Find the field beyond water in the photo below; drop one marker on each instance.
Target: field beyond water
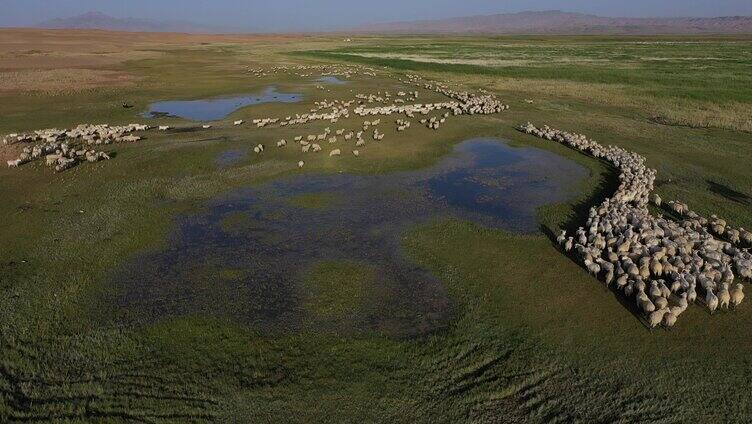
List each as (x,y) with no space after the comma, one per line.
(497,325)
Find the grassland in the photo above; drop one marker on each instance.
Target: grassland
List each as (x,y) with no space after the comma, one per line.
(533,337)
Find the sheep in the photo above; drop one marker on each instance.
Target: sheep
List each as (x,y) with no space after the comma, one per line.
(711,300)
(669,319)
(645,304)
(660,302)
(281,143)
(737,294)
(14,163)
(206,127)
(562,237)
(164,127)
(569,244)
(356,153)
(335,152)
(656,317)
(238,122)
(724,297)
(301,164)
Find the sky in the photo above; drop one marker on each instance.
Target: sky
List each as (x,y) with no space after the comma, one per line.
(307,15)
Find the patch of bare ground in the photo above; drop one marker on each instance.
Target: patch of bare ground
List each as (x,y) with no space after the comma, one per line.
(60,81)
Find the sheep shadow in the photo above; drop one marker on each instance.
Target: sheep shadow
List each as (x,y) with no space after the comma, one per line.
(729,193)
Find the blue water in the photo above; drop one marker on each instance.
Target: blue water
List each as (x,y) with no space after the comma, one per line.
(331,79)
(274,241)
(219,107)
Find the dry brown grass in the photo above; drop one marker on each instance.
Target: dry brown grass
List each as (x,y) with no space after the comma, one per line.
(60,81)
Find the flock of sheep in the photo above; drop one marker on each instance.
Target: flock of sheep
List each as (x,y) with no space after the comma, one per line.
(661,264)
(64,149)
(401,103)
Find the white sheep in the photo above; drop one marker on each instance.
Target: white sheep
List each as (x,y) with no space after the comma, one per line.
(669,319)
(737,294)
(656,317)
(724,298)
(711,300)
(238,122)
(300,164)
(335,152)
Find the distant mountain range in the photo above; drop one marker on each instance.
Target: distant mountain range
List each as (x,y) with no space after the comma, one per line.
(97,20)
(557,22)
(550,22)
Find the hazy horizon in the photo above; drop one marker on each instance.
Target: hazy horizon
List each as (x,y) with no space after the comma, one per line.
(301,15)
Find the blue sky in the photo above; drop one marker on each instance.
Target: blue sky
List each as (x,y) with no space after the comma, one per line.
(291,15)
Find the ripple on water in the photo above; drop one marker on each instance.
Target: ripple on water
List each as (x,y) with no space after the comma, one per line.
(249,254)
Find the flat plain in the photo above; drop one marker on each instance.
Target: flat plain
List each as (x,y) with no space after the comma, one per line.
(503,326)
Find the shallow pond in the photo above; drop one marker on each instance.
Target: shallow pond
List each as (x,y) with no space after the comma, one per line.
(248,254)
(331,79)
(218,107)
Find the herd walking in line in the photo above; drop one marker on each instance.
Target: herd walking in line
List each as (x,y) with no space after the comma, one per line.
(661,264)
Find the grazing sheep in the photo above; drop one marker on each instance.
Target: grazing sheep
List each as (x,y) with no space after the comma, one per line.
(356,153)
(281,143)
(206,127)
(164,127)
(238,122)
(335,152)
(300,164)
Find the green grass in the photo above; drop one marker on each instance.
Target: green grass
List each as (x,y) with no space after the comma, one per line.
(314,200)
(532,338)
(336,290)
